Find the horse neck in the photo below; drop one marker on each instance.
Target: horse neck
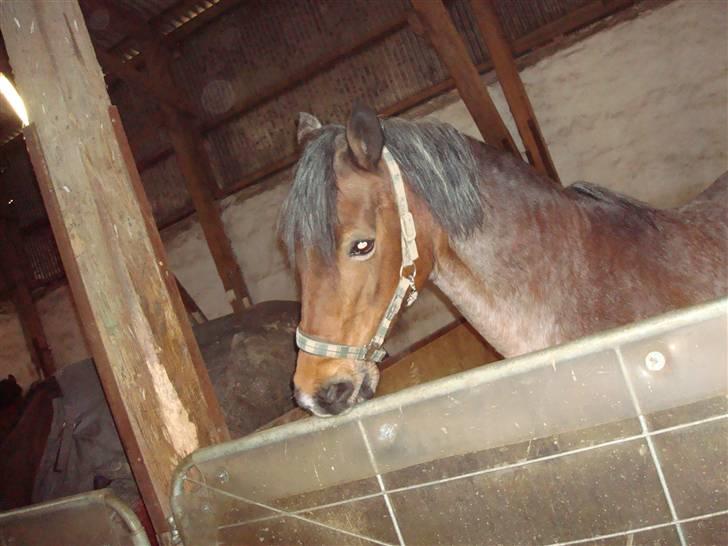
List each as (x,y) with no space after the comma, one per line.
(506,277)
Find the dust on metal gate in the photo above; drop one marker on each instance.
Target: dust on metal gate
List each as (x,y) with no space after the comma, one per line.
(577,421)
(91,519)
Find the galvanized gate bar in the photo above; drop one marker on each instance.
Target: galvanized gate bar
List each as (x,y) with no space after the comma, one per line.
(288,476)
(33,524)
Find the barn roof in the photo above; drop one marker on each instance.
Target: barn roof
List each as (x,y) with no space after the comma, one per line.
(246,67)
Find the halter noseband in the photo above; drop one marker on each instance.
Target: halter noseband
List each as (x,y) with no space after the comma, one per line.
(373,351)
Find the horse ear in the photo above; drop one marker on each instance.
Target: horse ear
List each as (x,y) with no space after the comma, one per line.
(364,136)
(307,126)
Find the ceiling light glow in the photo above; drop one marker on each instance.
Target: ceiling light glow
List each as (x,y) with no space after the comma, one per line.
(11,95)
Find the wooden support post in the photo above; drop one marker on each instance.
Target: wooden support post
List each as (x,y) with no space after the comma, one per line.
(513,88)
(147,357)
(192,158)
(439,28)
(197,172)
(196,169)
(190,304)
(16,272)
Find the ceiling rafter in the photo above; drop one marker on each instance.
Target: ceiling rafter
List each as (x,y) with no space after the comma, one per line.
(176,23)
(140,30)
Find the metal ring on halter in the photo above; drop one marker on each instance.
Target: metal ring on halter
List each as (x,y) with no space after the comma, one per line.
(412,275)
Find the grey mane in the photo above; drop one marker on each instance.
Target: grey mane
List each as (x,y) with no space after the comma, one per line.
(436,160)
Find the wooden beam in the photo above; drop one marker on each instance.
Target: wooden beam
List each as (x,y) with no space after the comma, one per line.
(572,21)
(163,94)
(190,304)
(16,272)
(196,169)
(450,47)
(513,88)
(171,37)
(148,361)
(191,156)
(138,29)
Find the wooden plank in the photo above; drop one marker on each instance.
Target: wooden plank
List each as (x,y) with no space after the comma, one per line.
(513,88)
(148,361)
(450,47)
(460,348)
(451,350)
(574,20)
(16,271)
(169,38)
(165,95)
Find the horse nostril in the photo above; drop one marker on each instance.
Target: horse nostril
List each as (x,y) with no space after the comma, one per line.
(334,398)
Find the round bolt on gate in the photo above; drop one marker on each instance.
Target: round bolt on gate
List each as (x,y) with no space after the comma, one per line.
(223,476)
(655,361)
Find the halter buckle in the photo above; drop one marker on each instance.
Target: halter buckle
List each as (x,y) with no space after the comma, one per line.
(412,296)
(371,349)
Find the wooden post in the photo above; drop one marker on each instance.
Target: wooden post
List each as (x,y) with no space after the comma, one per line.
(16,272)
(513,88)
(437,24)
(147,358)
(196,170)
(193,310)
(192,158)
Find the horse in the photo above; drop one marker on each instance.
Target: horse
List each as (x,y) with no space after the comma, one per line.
(377,208)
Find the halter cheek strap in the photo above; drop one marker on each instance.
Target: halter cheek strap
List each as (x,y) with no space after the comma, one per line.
(405,291)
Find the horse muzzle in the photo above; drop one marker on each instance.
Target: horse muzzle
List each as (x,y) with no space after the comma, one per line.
(338,395)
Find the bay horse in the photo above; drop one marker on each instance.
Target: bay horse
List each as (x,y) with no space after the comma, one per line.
(529,263)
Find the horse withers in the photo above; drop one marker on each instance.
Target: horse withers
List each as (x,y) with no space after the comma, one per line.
(530,264)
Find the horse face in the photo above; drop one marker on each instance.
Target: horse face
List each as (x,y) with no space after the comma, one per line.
(343,302)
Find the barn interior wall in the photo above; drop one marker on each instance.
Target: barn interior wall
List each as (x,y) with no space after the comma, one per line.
(639,107)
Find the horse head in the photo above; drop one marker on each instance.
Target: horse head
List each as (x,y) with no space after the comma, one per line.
(343,228)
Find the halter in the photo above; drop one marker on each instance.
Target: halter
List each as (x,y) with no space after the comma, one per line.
(373,351)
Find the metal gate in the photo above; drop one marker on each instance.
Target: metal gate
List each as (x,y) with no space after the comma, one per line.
(91,519)
(621,434)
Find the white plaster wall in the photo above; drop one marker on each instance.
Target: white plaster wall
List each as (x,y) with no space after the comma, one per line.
(251,225)
(641,108)
(190,260)
(62,329)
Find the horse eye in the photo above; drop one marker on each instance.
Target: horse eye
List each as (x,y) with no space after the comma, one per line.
(361,248)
